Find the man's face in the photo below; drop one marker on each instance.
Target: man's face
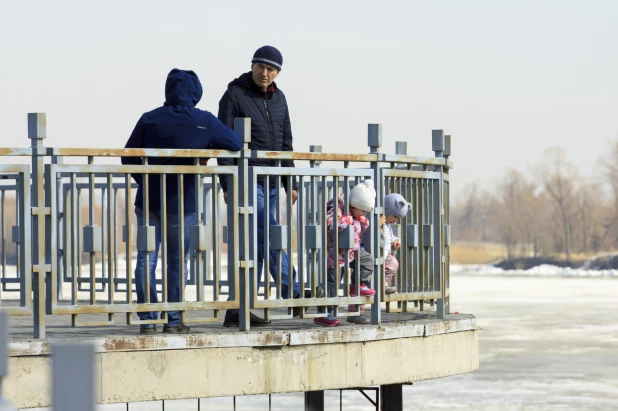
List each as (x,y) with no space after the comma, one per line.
(263,75)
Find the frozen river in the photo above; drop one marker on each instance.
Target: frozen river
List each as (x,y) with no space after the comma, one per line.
(546,343)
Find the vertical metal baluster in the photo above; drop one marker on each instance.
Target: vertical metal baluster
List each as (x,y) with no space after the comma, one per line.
(336,239)
(66,234)
(60,218)
(300,241)
(164,246)
(346,210)
(181,240)
(24,255)
(381,273)
(278,218)
(78,232)
(289,221)
(146,222)
(199,257)
(206,220)
(323,257)
(104,194)
(128,256)
(91,219)
(427,217)
(405,252)
(18,249)
(266,250)
(216,236)
(3,205)
(74,241)
(115,227)
(111,240)
(414,258)
(313,220)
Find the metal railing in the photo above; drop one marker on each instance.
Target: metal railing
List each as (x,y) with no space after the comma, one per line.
(74,238)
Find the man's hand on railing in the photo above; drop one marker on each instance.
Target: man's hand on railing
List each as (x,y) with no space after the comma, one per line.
(382,220)
(294,196)
(396,244)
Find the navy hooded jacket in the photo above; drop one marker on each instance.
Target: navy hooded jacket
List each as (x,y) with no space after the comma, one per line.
(177,124)
(271,129)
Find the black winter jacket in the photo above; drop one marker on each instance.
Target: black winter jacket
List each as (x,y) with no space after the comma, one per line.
(271,129)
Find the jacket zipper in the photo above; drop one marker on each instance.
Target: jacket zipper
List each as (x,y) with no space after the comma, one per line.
(270,122)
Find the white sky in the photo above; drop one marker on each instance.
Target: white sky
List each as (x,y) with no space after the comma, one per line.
(506,79)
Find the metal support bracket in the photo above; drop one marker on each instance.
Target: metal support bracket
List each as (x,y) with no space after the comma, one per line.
(245,210)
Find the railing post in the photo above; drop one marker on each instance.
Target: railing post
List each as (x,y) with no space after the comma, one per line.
(242,127)
(437,142)
(60,216)
(374,141)
(73,377)
(40,211)
(447,223)
(4,358)
(401,148)
(313,194)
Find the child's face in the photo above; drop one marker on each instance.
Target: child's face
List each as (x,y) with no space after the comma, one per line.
(356,212)
(392,219)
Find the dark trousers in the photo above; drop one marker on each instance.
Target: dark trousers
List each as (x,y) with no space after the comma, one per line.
(366,270)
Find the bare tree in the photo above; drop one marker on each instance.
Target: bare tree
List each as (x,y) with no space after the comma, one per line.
(517,213)
(466,210)
(557,176)
(609,164)
(470,213)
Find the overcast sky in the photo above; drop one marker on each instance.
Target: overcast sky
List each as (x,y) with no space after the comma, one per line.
(506,79)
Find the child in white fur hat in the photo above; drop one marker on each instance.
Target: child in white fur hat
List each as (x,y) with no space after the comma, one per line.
(362,200)
(395,207)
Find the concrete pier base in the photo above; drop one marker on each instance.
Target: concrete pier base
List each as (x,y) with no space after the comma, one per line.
(219,362)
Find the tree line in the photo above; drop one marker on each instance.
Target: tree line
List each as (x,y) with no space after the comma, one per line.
(550,208)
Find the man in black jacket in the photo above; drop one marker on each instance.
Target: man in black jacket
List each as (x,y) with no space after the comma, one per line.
(255,95)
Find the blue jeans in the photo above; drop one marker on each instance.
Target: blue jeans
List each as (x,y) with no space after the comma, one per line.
(273,267)
(173,263)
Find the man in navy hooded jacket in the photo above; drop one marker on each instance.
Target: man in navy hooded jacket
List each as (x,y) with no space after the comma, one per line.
(177,125)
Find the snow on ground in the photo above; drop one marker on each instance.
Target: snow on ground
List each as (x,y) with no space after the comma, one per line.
(538,271)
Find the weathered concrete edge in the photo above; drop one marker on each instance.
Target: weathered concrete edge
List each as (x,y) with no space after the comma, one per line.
(422,328)
(178,374)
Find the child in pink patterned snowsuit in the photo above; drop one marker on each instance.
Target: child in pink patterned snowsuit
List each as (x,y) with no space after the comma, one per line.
(362,200)
(395,207)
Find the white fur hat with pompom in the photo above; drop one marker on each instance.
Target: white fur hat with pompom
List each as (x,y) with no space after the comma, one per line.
(363,196)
